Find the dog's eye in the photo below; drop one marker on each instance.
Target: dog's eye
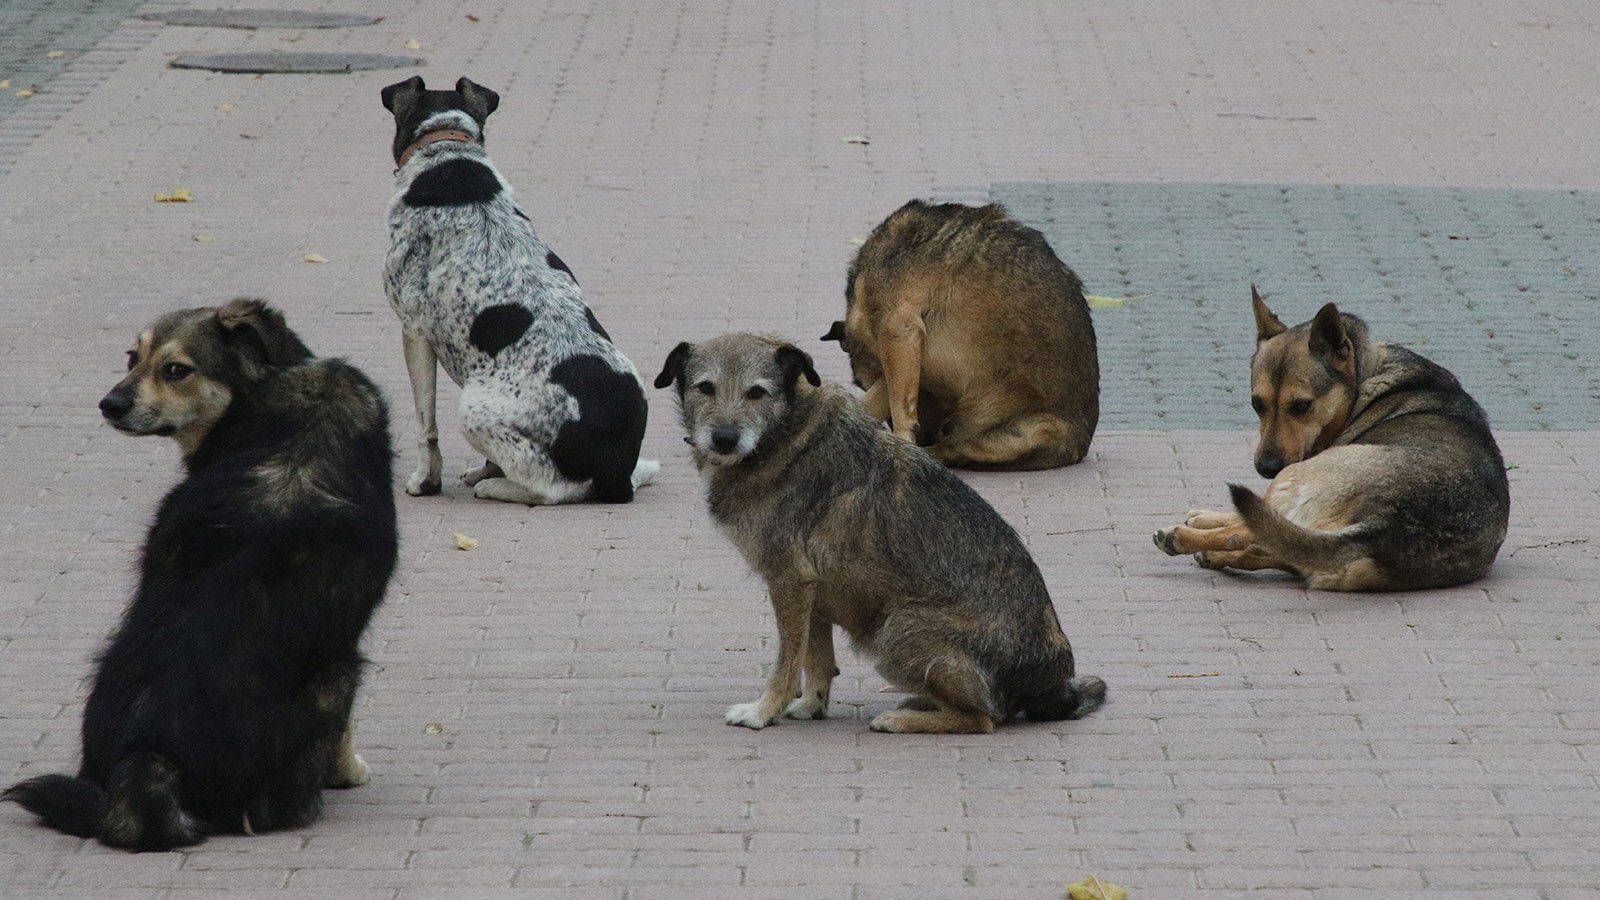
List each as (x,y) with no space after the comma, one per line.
(133,359)
(1299,407)
(707,388)
(175,371)
(1259,405)
(755,393)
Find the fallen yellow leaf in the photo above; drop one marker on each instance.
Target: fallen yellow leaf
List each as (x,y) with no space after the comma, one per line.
(413,44)
(178,195)
(464,542)
(432,728)
(203,238)
(5,85)
(55,54)
(1092,888)
(858,240)
(856,139)
(24,93)
(315,258)
(225,106)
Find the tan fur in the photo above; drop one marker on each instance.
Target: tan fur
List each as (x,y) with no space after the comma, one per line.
(971,338)
(1384,474)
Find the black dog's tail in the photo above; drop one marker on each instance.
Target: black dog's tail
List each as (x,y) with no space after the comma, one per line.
(139,811)
(1079,697)
(74,806)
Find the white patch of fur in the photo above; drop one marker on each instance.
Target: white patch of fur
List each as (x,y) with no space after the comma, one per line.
(747,715)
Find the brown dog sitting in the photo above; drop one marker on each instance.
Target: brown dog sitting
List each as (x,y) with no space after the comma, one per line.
(1384,473)
(972,338)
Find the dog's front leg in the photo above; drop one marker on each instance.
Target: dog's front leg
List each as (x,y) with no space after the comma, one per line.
(424,370)
(820,670)
(900,347)
(792,603)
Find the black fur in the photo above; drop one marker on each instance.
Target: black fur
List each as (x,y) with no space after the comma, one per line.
(412,103)
(554,262)
(498,327)
(594,324)
(223,695)
(454,182)
(603,443)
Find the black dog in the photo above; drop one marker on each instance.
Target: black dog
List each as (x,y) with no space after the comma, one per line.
(222,703)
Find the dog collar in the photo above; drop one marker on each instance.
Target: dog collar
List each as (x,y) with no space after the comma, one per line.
(432,137)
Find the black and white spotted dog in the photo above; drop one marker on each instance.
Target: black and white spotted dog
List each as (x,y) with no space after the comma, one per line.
(556,409)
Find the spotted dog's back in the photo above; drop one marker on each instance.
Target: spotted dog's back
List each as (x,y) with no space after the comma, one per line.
(546,396)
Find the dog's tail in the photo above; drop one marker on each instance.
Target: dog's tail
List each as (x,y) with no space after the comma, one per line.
(1304,548)
(1079,697)
(139,810)
(74,806)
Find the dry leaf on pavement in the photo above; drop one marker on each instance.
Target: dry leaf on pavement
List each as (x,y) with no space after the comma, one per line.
(463,542)
(176,195)
(1092,888)
(315,258)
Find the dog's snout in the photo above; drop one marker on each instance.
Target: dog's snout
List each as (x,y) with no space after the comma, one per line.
(724,439)
(116,404)
(1269,465)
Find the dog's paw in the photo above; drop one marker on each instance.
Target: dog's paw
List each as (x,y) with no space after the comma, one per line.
(809,706)
(351,772)
(472,476)
(749,715)
(644,472)
(1210,559)
(420,484)
(506,491)
(889,722)
(1167,540)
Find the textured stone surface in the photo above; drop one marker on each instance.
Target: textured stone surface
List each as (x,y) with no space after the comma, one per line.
(686,160)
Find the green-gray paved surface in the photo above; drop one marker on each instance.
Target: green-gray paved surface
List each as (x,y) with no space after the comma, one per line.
(1500,286)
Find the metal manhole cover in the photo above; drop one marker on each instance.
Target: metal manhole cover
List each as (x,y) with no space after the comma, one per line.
(260,18)
(276,61)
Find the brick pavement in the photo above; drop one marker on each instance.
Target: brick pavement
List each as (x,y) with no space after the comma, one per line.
(686,159)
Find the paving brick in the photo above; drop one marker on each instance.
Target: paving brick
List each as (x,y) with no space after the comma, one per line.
(686,160)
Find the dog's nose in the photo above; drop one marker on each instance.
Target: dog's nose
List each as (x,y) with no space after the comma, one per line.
(723,440)
(116,404)
(1269,466)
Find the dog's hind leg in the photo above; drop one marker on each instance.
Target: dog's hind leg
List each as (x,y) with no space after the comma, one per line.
(472,476)
(942,676)
(423,367)
(1249,559)
(900,338)
(820,670)
(1034,441)
(530,476)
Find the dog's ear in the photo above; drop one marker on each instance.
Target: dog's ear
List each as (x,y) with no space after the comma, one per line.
(673,369)
(480,100)
(260,335)
(401,95)
(1328,338)
(1268,325)
(794,362)
(835,333)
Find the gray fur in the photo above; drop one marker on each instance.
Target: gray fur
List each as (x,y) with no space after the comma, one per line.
(851,526)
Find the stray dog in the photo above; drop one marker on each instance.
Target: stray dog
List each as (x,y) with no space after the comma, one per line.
(1384,474)
(222,703)
(851,526)
(556,409)
(972,338)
